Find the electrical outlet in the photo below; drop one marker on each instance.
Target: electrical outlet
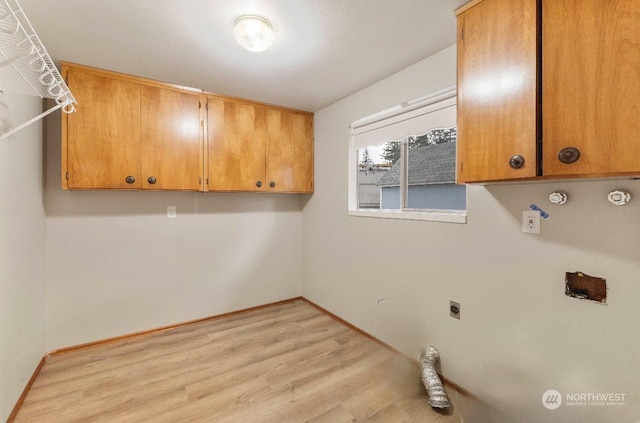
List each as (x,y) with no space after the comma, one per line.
(171,212)
(531,221)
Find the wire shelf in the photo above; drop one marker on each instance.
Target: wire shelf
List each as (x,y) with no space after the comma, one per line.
(25,66)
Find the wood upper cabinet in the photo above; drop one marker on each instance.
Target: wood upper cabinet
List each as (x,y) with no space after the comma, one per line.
(134,133)
(497,94)
(236,139)
(289,152)
(573,104)
(256,147)
(130,134)
(101,143)
(172,139)
(591,81)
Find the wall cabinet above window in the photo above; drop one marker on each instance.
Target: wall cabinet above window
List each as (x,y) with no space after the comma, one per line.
(134,133)
(548,90)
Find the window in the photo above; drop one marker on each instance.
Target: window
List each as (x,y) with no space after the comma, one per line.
(402,162)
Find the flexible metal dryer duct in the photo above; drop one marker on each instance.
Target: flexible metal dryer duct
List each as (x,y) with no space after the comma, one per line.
(437,395)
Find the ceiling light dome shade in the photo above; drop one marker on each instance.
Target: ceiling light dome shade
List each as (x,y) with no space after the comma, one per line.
(253,33)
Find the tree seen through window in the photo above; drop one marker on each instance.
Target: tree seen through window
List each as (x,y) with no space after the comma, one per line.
(391,150)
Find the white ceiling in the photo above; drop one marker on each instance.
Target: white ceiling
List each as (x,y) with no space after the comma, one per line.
(324,49)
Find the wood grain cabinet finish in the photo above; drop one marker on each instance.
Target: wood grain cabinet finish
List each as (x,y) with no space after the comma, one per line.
(135,133)
(497,94)
(130,134)
(101,143)
(554,81)
(591,86)
(289,151)
(236,145)
(172,139)
(257,147)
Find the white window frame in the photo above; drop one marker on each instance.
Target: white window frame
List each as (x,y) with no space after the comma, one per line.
(445,97)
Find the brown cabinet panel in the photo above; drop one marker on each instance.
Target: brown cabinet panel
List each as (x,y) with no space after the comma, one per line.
(591,81)
(497,90)
(134,133)
(171,139)
(588,123)
(254,147)
(103,135)
(237,135)
(289,151)
(127,130)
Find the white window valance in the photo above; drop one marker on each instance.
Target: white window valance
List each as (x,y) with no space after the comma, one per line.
(412,118)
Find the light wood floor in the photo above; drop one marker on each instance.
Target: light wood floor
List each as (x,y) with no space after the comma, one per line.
(284,363)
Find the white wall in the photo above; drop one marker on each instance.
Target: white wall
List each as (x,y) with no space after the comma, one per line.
(22,251)
(519,335)
(117,265)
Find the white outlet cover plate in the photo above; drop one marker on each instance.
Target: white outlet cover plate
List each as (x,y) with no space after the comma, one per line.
(531,221)
(171,212)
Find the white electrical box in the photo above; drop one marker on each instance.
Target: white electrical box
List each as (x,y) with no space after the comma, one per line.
(171,212)
(531,221)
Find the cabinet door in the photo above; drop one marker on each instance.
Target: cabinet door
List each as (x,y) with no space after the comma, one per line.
(590,86)
(497,90)
(103,136)
(236,151)
(289,155)
(172,144)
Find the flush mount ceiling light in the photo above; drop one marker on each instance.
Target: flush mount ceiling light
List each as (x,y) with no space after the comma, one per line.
(253,33)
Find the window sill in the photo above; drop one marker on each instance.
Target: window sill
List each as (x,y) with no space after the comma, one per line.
(429,216)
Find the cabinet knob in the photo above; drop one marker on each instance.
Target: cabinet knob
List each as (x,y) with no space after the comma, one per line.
(516,162)
(152,180)
(569,155)
(130,179)
(272,184)
(259,184)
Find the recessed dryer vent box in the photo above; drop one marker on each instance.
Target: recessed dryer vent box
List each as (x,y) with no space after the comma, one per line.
(585,287)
